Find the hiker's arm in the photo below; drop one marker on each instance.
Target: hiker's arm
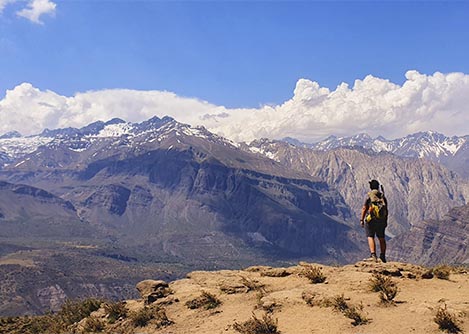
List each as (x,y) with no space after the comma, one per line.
(364,210)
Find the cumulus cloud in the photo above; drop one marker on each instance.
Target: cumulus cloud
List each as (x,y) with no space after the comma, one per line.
(377,106)
(36,9)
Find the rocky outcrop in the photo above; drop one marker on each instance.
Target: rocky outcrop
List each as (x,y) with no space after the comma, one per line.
(349,300)
(151,290)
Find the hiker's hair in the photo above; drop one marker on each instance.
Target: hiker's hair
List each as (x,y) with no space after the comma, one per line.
(374,184)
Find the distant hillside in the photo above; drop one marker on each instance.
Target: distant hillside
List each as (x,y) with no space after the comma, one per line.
(436,241)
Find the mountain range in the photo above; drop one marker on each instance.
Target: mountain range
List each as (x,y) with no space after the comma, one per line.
(452,152)
(161,197)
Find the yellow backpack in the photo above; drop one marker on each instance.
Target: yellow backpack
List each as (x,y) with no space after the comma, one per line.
(377,211)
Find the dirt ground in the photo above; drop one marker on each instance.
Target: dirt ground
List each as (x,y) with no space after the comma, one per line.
(278,293)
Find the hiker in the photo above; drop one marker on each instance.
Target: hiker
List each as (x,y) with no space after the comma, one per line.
(374,218)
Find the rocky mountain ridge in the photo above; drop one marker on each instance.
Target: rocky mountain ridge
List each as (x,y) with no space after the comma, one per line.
(417,189)
(452,152)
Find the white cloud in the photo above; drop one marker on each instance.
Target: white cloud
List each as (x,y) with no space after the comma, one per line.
(4,3)
(437,102)
(37,8)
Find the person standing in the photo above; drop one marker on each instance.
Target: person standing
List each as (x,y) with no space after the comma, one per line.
(374,218)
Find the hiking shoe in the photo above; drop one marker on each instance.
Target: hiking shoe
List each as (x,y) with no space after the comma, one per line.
(373,257)
(382,258)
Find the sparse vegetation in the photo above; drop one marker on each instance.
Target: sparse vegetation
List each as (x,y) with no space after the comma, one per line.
(385,286)
(206,300)
(70,313)
(350,311)
(93,325)
(252,285)
(265,325)
(115,311)
(446,321)
(73,311)
(309,297)
(259,296)
(339,303)
(142,317)
(314,274)
(442,271)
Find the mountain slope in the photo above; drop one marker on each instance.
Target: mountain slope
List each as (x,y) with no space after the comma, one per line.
(164,195)
(416,189)
(191,181)
(432,242)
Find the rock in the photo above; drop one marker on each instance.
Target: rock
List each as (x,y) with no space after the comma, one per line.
(276,272)
(151,290)
(427,275)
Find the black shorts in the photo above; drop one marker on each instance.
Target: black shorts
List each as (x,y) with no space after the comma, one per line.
(375,228)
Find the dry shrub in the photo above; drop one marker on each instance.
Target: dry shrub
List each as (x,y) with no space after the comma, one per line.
(252,285)
(385,286)
(31,325)
(266,325)
(442,271)
(339,303)
(74,311)
(446,321)
(115,311)
(259,296)
(350,311)
(93,325)
(71,312)
(206,300)
(314,274)
(155,314)
(161,318)
(142,317)
(308,297)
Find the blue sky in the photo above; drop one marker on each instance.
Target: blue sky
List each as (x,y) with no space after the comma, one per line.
(239,54)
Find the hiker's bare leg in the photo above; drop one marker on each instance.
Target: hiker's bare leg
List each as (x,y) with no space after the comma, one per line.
(382,245)
(371,244)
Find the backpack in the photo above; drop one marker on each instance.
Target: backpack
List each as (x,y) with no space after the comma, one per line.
(377,210)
